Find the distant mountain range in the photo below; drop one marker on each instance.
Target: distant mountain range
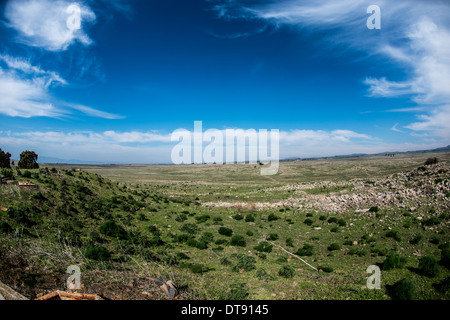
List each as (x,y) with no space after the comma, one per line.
(447,148)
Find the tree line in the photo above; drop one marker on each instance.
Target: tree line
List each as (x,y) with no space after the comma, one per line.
(28,160)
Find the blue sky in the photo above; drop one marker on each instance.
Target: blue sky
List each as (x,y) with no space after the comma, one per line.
(114,90)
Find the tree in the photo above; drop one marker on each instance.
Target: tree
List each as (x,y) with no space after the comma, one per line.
(28,160)
(5,159)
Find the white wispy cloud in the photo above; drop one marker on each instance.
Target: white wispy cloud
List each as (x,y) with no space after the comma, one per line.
(43,23)
(25,91)
(414,35)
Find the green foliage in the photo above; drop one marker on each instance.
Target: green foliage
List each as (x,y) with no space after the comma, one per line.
(334,246)
(237,292)
(225,262)
(428,266)
(238,241)
(326,269)
(286,272)
(245,262)
(249,233)
(28,160)
(202,218)
(250,218)
(332,220)
(358,252)
(443,286)
(289,242)
(374,209)
(189,228)
(238,217)
(308,222)
(342,223)
(272,217)
(403,290)
(334,229)
(272,237)
(394,235)
(262,274)
(307,250)
(394,260)
(322,218)
(445,256)
(431,161)
(6,173)
(97,253)
(5,159)
(416,239)
(225,231)
(264,247)
(112,229)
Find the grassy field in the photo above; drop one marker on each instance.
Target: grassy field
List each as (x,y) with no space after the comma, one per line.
(223,231)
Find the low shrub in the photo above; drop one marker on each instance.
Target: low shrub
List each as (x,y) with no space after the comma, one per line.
(264,247)
(286,272)
(394,261)
(308,222)
(394,235)
(334,246)
(250,218)
(238,217)
(237,292)
(272,236)
(245,262)
(307,250)
(272,217)
(428,266)
(97,253)
(403,290)
(225,231)
(238,241)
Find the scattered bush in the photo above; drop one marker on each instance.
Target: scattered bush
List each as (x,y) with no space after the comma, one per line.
(238,217)
(262,274)
(272,236)
(189,228)
(394,260)
(416,239)
(225,231)
(431,161)
(445,256)
(325,269)
(264,247)
(250,218)
(112,229)
(249,233)
(237,292)
(289,242)
(202,218)
(443,286)
(308,222)
(393,234)
(245,262)
(286,272)
(374,209)
(334,246)
(323,218)
(428,266)
(334,229)
(97,253)
(307,250)
(272,217)
(342,223)
(403,290)
(332,220)
(238,241)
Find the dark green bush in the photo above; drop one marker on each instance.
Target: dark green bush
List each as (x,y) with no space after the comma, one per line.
(307,250)
(202,218)
(238,217)
(394,260)
(332,220)
(393,234)
(431,161)
(428,266)
(443,286)
(325,269)
(272,217)
(189,228)
(416,239)
(225,262)
(245,262)
(342,223)
(286,272)
(323,218)
(249,233)
(308,222)
(289,242)
(403,290)
(374,209)
(272,236)
(250,218)
(112,229)
(334,229)
(237,292)
(264,247)
(221,241)
(5,228)
(225,231)
(334,246)
(97,253)
(238,241)
(181,238)
(445,256)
